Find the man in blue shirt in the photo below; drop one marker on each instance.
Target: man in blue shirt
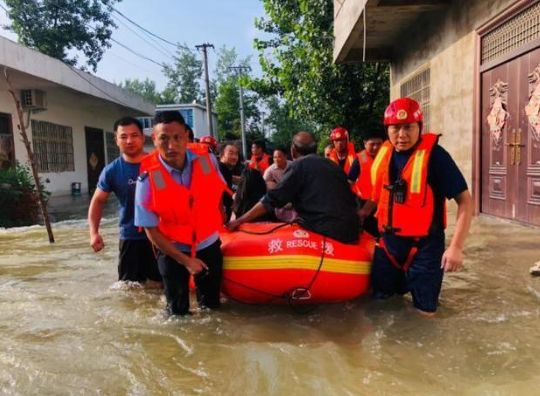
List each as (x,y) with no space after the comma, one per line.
(136,262)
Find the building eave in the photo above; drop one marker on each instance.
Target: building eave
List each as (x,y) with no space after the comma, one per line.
(33,63)
(387,22)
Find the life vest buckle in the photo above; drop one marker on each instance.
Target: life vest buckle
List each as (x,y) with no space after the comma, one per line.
(390,229)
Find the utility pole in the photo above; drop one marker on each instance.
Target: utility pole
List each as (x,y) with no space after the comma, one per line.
(209,119)
(239,70)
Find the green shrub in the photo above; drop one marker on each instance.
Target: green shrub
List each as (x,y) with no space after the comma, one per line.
(18,199)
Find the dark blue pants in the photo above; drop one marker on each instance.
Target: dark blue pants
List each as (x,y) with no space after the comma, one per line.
(176,280)
(424,278)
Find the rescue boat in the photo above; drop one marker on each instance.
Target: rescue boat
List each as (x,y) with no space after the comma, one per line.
(279,263)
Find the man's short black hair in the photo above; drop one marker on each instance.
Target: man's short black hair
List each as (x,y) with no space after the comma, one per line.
(260,143)
(374,130)
(125,121)
(168,117)
(282,148)
(191,134)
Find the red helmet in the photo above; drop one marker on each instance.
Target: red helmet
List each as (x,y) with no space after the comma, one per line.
(339,133)
(209,140)
(403,111)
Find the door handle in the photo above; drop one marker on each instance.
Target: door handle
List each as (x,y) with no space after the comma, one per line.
(512,145)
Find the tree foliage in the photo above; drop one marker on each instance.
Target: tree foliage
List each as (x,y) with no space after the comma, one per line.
(147,89)
(227,102)
(281,122)
(184,78)
(297,64)
(59,28)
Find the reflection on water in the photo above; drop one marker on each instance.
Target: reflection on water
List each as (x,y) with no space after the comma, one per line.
(68,328)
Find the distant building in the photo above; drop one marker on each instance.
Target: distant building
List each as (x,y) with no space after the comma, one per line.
(72,114)
(474,66)
(194,114)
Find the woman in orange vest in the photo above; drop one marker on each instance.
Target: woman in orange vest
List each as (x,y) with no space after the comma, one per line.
(178,203)
(412,178)
(343,152)
(259,160)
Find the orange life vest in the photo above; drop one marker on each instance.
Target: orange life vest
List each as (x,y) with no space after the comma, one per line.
(264,163)
(363,183)
(350,157)
(198,148)
(186,215)
(415,216)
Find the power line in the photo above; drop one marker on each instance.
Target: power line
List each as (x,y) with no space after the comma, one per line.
(149,32)
(137,34)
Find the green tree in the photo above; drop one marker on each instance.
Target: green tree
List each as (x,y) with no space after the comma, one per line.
(58,27)
(227,102)
(147,89)
(184,78)
(282,123)
(297,64)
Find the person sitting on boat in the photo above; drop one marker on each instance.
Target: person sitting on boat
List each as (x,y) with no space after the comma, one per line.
(412,178)
(178,202)
(259,159)
(251,188)
(318,191)
(231,169)
(272,176)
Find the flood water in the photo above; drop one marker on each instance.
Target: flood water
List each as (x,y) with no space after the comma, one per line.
(68,329)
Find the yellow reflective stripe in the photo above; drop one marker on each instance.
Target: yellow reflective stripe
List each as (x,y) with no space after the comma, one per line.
(297,262)
(377,162)
(418,165)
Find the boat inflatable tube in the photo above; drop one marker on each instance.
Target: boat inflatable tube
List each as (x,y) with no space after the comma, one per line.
(278,263)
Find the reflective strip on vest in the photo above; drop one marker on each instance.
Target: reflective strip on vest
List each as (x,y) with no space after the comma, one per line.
(418,165)
(205,165)
(159,181)
(377,162)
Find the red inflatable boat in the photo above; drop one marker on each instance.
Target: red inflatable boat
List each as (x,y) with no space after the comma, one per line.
(276,263)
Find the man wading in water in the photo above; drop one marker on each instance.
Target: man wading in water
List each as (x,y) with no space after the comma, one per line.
(136,262)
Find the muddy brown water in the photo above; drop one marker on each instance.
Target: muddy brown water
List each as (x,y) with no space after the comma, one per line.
(68,329)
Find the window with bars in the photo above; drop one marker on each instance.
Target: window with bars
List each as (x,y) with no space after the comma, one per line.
(518,31)
(53,147)
(417,88)
(113,152)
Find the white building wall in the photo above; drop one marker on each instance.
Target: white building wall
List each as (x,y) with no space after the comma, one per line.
(65,109)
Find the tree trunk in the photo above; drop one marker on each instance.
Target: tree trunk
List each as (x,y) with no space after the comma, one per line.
(39,187)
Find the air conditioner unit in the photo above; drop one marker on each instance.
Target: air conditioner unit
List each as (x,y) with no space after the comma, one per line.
(33,99)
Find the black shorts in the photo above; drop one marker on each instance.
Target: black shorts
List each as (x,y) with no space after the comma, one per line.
(137,261)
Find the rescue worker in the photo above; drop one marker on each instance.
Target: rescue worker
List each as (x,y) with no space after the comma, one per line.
(136,262)
(178,202)
(259,159)
(210,142)
(343,152)
(412,178)
(360,177)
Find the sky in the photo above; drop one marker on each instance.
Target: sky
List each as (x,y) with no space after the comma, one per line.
(218,22)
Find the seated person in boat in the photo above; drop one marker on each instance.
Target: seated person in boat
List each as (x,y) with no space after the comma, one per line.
(251,188)
(318,191)
(412,179)
(273,175)
(178,202)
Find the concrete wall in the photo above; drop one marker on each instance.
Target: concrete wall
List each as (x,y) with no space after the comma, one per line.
(447,45)
(68,108)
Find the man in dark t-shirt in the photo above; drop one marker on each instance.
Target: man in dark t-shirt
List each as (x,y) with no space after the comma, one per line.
(318,191)
(231,169)
(136,260)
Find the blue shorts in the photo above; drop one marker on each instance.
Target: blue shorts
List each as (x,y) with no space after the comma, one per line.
(424,278)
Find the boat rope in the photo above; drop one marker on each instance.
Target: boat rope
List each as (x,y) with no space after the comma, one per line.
(293,295)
